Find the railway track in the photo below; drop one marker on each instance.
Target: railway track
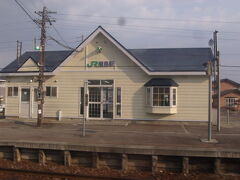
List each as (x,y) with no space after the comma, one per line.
(65,176)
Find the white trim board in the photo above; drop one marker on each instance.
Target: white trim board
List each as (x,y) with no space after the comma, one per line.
(26,74)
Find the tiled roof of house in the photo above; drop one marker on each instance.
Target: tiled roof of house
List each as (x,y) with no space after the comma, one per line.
(229,91)
(173,59)
(231,82)
(52,60)
(155,60)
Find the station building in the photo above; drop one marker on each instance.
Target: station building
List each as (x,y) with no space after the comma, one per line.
(129,84)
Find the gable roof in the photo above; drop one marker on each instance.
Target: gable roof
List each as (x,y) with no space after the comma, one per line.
(29,65)
(152,61)
(113,40)
(229,91)
(231,82)
(52,60)
(173,59)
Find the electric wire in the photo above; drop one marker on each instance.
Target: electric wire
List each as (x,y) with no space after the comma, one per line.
(66,46)
(36,22)
(23,8)
(158,19)
(61,37)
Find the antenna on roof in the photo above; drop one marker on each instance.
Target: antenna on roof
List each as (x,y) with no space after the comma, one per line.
(19,51)
(35,46)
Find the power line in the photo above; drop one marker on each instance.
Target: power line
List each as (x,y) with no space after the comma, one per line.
(147,29)
(158,19)
(61,37)
(147,26)
(61,44)
(21,6)
(36,22)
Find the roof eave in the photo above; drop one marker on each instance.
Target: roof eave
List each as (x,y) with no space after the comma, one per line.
(26,74)
(179,73)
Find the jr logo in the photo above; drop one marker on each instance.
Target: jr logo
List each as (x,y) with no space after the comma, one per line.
(101,64)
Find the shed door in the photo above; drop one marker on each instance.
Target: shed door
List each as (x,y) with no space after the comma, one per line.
(25,102)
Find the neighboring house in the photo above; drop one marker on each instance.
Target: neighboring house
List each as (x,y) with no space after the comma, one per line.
(129,84)
(230,95)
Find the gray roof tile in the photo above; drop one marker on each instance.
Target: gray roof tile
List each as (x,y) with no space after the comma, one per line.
(155,60)
(173,59)
(52,60)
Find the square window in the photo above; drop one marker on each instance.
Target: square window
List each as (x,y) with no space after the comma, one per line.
(15,91)
(161,96)
(48,91)
(54,91)
(10,91)
(51,91)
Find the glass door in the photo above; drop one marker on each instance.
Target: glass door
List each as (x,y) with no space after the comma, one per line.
(100,102)
(94,102)
(107,102)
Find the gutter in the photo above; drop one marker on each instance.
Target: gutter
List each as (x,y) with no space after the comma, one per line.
(27,74)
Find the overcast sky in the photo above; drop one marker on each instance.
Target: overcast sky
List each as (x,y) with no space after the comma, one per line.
(134,23)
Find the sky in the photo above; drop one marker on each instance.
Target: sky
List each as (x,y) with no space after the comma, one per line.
(134,23)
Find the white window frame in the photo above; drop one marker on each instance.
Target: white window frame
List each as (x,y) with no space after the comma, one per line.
(80,98)
(118,103)
(151,96)
(13,91)
(171,97)
(51,92)
(231,101)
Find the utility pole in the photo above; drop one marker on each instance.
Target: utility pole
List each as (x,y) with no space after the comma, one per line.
(42,23)
(209,73)
(217,84)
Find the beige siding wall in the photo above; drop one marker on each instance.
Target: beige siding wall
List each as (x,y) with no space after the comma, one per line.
(191,98)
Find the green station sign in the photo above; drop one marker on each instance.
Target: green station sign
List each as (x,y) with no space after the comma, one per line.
(101,64)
